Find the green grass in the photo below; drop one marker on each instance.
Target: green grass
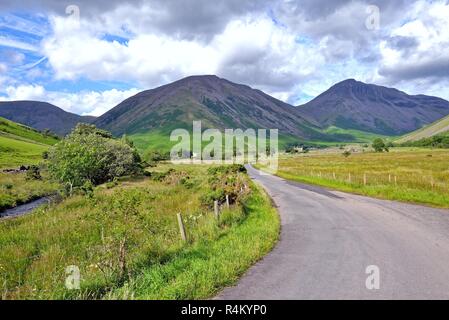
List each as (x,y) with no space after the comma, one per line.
(125,241)
(20,145)
(16,190)
(14,152)
(201,271)
(404,174)
(358,136)
(21,132)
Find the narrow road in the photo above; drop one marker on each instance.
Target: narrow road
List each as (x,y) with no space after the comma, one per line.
(329,238)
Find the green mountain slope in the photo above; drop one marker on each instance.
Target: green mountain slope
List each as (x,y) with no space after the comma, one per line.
(439,127)
(20,145)
(150,116)
(41,116)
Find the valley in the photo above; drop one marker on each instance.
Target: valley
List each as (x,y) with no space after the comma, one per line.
(116,197)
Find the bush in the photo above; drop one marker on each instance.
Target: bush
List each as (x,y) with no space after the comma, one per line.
(224,180)
(379,145)
(91,155)
(33,173)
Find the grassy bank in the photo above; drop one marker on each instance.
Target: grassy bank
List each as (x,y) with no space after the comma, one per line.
(409,175)
(16,190)
(14,152)
(125,240)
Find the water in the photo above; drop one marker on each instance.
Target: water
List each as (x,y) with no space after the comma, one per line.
(24,208)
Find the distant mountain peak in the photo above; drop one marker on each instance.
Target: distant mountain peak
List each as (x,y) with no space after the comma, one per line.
(352,104)
(217,102)
(41,115)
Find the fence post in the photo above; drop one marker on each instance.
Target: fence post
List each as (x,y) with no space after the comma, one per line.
(216,211)
(432,183)
(364,179)
(389,177)
(227,201)
(182,229)
(395,180)
(349,177)
(333,175)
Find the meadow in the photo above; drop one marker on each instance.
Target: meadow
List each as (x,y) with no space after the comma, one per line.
(14,152)
(125,238)
(405,174)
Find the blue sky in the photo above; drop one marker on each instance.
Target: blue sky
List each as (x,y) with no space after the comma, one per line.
(88,62)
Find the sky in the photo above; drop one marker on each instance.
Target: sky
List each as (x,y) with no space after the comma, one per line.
(87,56)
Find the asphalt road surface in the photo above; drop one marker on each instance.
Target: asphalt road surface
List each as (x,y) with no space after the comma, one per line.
(329,239)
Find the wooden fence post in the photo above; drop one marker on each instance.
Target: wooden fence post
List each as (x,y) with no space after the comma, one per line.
(227,201)
(216,210)
(395,180)
(364,179)
(349,177)
(333,175)
(182,229)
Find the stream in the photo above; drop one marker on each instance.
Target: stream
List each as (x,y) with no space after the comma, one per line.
(24,208)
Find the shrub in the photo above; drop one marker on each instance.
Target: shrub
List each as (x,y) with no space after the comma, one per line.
(33,173)
(224,180)
(379,145)
(91,155)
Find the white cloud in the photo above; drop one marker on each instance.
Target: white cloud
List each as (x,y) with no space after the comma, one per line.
(252,50)
(4,41)
(85,103)
(429,56)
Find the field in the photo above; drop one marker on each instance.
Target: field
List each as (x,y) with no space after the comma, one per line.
(403,174)
(21,132)
(20,145)
(125,240)
(14,152)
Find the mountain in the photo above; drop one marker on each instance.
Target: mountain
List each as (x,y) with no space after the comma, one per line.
(351,104)
(439,127)
(217,102)
(41,116)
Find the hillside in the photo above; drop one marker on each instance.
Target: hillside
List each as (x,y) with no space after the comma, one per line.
(439,127)
(151,115)
(20,145)
(41,116)
(355,105)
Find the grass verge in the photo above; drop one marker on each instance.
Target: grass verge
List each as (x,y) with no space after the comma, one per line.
(201,271)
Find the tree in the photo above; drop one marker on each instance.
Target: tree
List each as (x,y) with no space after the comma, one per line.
(379,145)
(346,153)
(90,155)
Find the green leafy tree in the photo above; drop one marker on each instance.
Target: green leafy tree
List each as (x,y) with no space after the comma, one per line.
(379,145)
(90,155)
